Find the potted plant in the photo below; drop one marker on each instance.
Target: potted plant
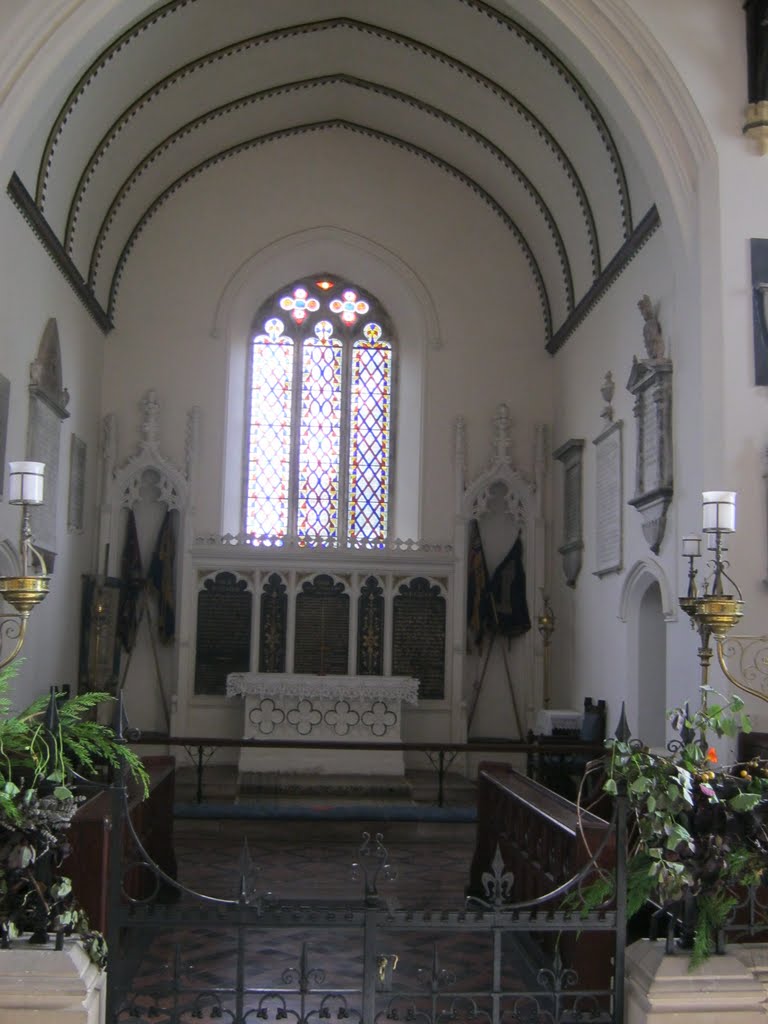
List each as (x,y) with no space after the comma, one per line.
(698,835)
(46,750)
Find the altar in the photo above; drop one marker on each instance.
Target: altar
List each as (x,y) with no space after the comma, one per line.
(309,708)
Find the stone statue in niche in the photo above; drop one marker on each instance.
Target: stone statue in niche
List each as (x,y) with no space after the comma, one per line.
(652,336)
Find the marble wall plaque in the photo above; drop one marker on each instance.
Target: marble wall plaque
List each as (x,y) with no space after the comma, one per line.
(76,502)
(650,381)
(608,500)
(43,445)
(5,400)
(571,454)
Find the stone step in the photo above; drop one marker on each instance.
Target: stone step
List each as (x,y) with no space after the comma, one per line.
(221,783)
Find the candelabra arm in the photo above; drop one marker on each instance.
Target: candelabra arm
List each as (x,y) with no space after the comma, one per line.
(7,659)
(732,678)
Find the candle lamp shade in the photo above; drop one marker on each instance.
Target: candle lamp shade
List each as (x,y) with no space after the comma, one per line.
(692,546)
(25,483)
(718,511)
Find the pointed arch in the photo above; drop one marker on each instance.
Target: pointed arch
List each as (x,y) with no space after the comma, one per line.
(642,574)
(414,317)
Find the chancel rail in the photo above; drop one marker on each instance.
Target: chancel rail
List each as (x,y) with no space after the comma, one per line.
(440,755)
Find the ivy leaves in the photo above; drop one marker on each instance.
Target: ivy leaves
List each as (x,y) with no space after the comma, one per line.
(697,826)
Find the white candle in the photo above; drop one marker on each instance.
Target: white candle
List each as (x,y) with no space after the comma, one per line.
(719,511)
(26,483)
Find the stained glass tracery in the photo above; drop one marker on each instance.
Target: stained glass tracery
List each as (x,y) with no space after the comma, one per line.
(319,443)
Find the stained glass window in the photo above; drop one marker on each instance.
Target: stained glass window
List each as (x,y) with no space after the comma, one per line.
(320,416)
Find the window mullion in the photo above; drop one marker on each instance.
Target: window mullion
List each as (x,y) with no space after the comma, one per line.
(293,478)
(346,393)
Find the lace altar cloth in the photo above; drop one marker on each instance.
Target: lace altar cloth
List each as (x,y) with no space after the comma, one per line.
(350,688)
(360,710)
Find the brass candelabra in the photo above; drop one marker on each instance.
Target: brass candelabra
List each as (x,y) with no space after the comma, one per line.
(25,591)
(716,607)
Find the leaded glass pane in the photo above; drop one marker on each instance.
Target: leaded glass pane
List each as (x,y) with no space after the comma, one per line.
(300,304)
(369,443)
(320,435)
(319,461)
(349,306)
(269,442)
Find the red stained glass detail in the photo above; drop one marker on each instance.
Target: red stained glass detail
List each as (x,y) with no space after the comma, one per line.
(300,304)
(349,306)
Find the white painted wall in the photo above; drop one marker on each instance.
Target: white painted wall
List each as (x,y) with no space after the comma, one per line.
(647,60)
(488,321)
(31,291)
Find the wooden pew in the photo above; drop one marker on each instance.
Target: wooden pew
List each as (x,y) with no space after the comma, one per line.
(540,837)
(88,861)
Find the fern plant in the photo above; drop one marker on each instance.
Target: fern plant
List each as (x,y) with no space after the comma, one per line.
(44,749)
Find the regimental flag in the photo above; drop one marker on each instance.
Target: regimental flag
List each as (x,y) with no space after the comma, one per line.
(161,576)
(477,587)
(509,606)
(131,584)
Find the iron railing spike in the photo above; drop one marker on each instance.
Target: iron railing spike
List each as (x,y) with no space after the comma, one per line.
(623,732)
(118,719)
(52,720)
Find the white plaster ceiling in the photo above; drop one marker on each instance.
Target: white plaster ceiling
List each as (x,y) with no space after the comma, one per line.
(455,82)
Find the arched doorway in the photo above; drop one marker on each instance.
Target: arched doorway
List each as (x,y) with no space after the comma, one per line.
(651,667)
(646,607)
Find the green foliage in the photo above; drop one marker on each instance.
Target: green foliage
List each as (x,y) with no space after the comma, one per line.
(697,827)
(37,803)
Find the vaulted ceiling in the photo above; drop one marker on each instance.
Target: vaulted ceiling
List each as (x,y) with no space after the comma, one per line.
(457,83)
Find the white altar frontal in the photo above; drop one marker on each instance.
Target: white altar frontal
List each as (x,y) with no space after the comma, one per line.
(309,708)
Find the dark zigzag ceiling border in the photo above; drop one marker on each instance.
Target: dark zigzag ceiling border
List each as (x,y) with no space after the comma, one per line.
(409,147)
(331,24)
(40,227)
(581,94)
(309,83)
(649,224)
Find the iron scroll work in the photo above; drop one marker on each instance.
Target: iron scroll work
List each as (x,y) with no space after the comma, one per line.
(363,959)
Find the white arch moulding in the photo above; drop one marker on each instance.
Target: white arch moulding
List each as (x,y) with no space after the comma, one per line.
(333,251)
(642,574)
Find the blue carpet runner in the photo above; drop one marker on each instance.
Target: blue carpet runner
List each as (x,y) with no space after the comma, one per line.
(325,810)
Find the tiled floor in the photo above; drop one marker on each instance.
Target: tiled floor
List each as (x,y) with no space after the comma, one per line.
(193,973)
(303,860)
(313,862)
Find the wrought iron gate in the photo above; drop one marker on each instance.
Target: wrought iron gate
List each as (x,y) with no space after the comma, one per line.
(181,956)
